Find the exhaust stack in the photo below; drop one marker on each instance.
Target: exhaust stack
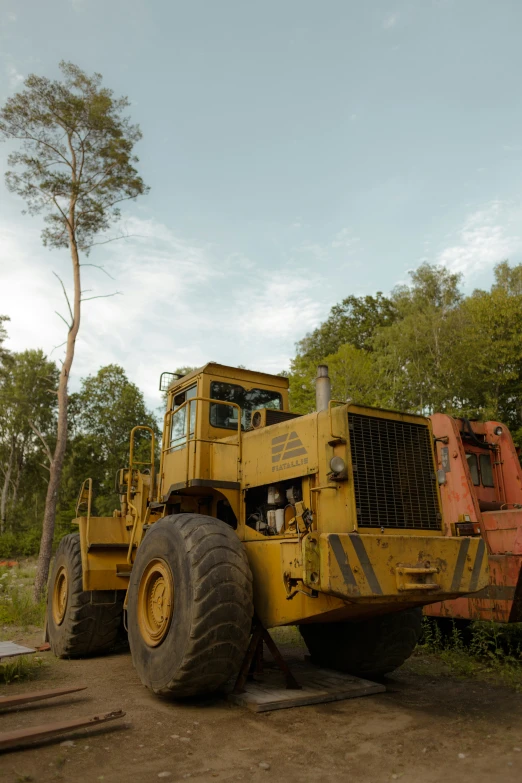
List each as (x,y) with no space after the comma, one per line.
(323,390)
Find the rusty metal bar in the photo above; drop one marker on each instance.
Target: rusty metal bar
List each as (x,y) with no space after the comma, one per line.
(11,739)
(291,682)
(255,641)
(27,698)
(253,653)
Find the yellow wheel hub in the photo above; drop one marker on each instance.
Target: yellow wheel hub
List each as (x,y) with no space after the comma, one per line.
(155,602)
(60,595)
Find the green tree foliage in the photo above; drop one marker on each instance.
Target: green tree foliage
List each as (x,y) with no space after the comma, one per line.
(3,337)
(494,348)
(104,411)
(28,382)
(75,164)
(354,322)
(424,348)
(418,355)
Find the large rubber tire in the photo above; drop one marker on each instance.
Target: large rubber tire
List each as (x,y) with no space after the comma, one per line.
(86,628)
(371,648)
(206,636)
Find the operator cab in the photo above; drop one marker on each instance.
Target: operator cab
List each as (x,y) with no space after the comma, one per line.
(491,458)
(208,410)
(479,456)
(221,395)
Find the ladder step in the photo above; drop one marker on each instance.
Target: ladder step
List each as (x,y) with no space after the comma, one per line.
(107,546)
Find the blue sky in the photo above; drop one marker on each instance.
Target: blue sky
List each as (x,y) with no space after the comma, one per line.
(297,152)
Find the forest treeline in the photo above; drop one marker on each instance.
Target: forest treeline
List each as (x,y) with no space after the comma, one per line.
(102,413)
(424,347)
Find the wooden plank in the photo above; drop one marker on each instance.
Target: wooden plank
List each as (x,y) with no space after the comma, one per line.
(10,649)
(319,686)
(12,739)
(27,698)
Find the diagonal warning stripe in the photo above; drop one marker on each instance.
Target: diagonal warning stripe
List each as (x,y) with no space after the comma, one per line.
(459,567)
(477,565)
(364,560)
(342,562)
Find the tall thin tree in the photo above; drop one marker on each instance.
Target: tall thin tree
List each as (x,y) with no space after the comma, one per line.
(75,165)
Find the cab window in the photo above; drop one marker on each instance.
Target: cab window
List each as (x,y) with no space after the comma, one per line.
(225,416)
(178,420)
(473,468)
(486,471)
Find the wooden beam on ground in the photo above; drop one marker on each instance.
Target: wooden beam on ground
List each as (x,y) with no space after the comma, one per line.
(26,698)
(12,739)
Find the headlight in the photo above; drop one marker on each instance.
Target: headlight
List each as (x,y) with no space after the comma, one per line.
(498,430)
(337,465)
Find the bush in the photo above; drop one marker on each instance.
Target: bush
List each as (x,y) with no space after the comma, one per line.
(17,606)
(23,544)
(20,668)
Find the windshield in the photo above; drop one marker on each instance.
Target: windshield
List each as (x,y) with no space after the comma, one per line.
(473,468)
(225,417)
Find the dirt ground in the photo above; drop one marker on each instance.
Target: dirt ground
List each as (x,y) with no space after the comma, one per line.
(427,727)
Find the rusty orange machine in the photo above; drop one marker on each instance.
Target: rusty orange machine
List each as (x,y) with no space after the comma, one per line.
(481,487)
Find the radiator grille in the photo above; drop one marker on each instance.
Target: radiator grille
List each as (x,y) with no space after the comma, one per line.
(393,473)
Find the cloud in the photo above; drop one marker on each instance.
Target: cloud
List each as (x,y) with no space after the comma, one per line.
(14,78)
(11,16)
(390,20)
(183,302)
(343,239)
(487,236)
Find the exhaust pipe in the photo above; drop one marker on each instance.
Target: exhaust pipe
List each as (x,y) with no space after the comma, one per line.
(323,389)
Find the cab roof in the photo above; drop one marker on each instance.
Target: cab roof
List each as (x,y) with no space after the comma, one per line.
(234,373)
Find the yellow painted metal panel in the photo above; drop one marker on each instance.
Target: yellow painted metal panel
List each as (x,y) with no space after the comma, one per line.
(400,568)
(99,565)
(279,452)
(270,597)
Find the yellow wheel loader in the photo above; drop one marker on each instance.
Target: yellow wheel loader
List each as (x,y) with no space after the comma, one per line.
(330,521)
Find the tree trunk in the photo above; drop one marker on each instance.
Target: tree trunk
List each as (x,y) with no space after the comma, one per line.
(56,466)
(5,488)
(19,468)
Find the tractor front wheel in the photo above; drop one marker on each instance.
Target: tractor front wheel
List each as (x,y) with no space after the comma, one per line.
(370,648)
(76,623)
(190,607)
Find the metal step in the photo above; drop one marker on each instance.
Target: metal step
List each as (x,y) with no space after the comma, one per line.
(107,546)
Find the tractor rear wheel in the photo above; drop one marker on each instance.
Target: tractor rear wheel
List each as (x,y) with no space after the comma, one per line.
(76,624)
(190,606)
(370,648)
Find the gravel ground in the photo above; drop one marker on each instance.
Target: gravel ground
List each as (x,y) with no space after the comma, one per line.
(428,726)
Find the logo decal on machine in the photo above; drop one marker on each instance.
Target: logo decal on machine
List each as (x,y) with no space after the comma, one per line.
(286,449)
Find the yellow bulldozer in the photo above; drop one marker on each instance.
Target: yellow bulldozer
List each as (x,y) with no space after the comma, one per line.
(330,521)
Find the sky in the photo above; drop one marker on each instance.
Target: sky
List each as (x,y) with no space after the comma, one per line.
(297,151)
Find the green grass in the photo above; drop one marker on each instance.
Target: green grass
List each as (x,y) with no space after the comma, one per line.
(17,606)
(486,650)
(21,668)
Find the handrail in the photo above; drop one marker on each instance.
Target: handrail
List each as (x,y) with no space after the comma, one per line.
(132,463)
(330,403)
(81,500)
(166,434)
